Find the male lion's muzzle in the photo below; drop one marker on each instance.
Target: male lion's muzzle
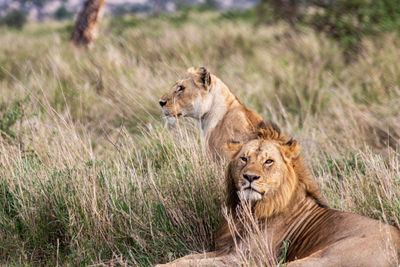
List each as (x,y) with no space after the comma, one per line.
(251,177)
(249,189)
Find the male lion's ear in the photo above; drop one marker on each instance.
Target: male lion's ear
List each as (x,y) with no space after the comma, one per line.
(232,148)
(291,149)
(201,76)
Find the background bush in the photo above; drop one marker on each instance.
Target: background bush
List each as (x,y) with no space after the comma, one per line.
(345,21)
(62,13)
(15,19)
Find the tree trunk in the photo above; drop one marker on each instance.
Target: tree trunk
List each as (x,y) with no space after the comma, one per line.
(157,5)
(86,27)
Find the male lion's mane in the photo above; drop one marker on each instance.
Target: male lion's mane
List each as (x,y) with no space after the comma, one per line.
(283,197)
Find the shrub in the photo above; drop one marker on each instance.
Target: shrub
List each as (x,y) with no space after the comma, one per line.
(348,21)
(62,13)
(208,5)
(273,10)
(15,18)
(9,116)
(234,15)
(345,21)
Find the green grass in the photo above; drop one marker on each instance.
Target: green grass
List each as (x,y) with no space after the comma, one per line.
(89,175)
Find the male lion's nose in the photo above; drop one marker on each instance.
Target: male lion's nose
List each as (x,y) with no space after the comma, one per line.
(250,177)
(162,103)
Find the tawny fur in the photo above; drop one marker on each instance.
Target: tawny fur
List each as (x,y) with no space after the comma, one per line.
(222,117)
(292,210)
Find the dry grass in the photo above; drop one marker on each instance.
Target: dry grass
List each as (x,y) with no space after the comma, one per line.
(89,175)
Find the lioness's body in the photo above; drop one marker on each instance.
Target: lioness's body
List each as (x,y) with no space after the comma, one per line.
(222,117)
(269,174)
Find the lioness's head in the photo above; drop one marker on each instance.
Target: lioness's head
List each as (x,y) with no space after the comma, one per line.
(188,96)
(262,166)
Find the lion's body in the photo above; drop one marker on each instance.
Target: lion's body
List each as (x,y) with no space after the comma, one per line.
(222,117)
(319,236)
(268,174)
(334,238)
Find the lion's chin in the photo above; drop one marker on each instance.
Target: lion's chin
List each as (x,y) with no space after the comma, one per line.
(250,195)
(170,120)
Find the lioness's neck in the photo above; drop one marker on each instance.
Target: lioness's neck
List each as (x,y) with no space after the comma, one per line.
(219,103)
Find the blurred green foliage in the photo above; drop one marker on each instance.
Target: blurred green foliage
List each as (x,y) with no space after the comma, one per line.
(208,5)
(344,20)
(15,19)
(62,13)
(119,24)
(269,11)
(347,21)
(9,115)
(243,15)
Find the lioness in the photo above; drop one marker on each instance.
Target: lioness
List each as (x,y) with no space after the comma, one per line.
(268,174)
(204,97)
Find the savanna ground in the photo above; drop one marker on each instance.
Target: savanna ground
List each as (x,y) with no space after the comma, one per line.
(90,175)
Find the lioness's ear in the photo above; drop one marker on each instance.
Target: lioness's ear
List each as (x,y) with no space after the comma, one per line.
(291,149)
(205,77)
(201,76)
(191,70)
(232,148)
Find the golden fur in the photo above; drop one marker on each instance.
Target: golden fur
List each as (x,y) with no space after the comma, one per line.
(204,97)
(268,174)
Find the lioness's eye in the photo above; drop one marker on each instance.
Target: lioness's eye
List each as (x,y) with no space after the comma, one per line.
(244,159)
(268,161)
(180,88)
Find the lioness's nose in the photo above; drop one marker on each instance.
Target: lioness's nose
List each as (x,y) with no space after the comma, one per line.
(250,177)
(162,103)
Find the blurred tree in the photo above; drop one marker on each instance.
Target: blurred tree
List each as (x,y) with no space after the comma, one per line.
(15,18)
(271,10)
(344,20)
(347,21)
(86,27)
(38,4)
(62,13)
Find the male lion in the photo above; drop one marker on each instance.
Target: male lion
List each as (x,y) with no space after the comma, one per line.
(268,174)
(222,117)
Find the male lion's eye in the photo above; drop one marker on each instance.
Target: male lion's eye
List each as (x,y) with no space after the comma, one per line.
(268,161)
(244,159)
(180,88)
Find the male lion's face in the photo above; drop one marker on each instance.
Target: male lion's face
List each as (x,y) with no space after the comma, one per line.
(259,169)
(189,96)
